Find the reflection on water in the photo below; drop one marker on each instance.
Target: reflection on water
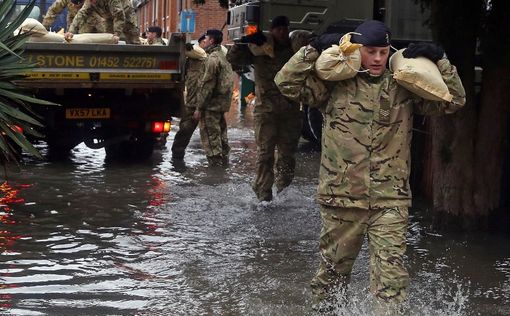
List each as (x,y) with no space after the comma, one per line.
(83,237)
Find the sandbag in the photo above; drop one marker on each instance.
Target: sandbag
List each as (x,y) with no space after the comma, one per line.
(297,81)
(339,62)
(420,76)
(196,53)
(265,49)
(33,26)
(94,38)
(224,50)
(51,37)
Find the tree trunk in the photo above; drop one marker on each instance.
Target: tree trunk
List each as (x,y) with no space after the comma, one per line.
(492,138)
(452,146)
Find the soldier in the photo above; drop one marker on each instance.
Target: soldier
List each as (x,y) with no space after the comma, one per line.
(96,25)
(213,100)
(154,36)
(277,120)
(365,163)
(187,125)
(119,16)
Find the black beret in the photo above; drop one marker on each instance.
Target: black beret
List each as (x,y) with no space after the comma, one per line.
(216,34)
(77,2)
(280,20)
(155,29)
(373,33)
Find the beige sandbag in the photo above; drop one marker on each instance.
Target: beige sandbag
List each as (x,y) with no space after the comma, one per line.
(224,49)
(51,37)
(420,76)
(33,26)
(339,62)
(196,53)
(297,81)
(264,49)
(94,38)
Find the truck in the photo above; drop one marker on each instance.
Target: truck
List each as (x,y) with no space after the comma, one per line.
(406,19)
(117,97)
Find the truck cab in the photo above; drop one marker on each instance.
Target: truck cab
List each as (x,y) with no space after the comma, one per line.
(406,19)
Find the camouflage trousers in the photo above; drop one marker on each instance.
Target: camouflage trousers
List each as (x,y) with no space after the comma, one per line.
(280,131)
(342,234)
(93,24)
(187,127)
(130,33)
(213,134)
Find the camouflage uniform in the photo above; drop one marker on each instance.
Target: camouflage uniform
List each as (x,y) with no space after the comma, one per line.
(364,173)
(278,121)
(157,42)
(95,25)
(213,100)
(119,16)
(187,125)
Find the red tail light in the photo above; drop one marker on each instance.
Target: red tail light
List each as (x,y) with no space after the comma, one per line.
(161,127)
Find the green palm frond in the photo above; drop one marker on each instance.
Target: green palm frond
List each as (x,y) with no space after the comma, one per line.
(16,114)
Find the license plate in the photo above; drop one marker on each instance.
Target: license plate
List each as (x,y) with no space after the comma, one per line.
(87,113)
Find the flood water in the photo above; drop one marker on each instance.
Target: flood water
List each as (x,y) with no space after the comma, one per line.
(87,237)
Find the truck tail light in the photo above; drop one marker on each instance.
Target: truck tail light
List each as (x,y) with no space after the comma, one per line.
(161,127)
(251,29)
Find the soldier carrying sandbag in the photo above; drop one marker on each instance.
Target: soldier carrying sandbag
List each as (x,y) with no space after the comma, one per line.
(119,17)
(365,161)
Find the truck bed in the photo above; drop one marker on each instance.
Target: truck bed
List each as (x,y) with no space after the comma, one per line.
(98,66)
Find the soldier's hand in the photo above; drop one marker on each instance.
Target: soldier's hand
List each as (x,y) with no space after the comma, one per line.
(196,115)
(116,39)
(256,38)
(431,51)
(68,36)
(189,47)
(325,41)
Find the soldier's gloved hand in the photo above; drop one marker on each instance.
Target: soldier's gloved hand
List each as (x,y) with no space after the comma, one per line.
(256,38)
(189,47)
(325,41)
(431,51)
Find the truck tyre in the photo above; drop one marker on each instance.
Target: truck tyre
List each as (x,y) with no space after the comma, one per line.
(60,145)
(312,124)
(132,150)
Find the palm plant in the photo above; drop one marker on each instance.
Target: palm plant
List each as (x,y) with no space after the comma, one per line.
(16,116)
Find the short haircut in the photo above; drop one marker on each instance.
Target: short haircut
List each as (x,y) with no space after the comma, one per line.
(155,29)
(215,34)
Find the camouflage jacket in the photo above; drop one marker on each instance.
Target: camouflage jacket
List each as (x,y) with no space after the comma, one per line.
(216,83)
(156,42)
(56,8)
(269,98)
(366,138)
(107,9)
(194,72)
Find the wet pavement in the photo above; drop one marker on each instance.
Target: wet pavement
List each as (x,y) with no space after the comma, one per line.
(89,237)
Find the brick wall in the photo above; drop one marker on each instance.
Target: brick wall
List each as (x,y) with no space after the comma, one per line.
(210,15)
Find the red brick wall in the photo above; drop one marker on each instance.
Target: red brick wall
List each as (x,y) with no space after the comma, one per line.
(210,15)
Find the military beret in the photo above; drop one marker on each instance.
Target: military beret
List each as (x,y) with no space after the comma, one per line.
(373,33)
(216,34)
(77,2)
(280,20)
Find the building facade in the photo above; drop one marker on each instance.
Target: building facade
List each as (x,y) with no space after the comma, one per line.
(165,14)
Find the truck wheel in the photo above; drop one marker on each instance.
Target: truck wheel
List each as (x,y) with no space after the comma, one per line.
(312,124)
(136,150)
(60,146)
